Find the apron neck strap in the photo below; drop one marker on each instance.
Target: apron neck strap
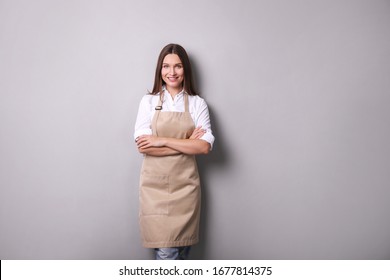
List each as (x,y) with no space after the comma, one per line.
(186,102)
(160,101)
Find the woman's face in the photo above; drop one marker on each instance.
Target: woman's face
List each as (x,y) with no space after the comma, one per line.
(172,72)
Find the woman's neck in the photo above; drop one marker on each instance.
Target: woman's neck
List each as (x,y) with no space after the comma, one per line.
(174,91)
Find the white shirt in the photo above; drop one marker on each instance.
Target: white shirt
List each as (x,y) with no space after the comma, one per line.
(196,106)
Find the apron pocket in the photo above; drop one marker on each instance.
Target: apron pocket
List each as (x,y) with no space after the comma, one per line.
(154,194)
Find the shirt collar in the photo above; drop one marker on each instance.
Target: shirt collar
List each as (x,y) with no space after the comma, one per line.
(164,90)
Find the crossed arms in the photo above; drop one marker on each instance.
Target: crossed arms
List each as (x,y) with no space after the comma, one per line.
(164,146)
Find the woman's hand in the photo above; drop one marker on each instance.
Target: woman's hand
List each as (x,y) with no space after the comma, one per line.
(147,141)
(197,133)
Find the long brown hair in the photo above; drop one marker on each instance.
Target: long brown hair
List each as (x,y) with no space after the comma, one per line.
(188,83)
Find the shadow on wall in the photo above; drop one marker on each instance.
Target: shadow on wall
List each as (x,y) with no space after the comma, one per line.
(217,157)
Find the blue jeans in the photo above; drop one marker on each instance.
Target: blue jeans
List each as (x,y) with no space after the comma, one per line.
(173,253)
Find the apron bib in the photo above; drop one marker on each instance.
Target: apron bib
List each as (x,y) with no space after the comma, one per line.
(170,188)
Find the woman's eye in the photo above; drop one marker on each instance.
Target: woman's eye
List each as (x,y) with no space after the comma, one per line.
(165,66)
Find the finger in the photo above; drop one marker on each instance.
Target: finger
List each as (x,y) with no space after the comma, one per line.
(143,138)
(139,140)
(142,142)
(144,145)
(198,135)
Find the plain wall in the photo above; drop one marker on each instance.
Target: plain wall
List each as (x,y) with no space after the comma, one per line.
(299,98)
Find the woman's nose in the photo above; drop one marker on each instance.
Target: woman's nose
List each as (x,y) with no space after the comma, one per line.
(172,70)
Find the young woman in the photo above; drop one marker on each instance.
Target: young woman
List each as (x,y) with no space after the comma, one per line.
(172,126)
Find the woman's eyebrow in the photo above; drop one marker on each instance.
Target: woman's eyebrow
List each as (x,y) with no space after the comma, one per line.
(173,64)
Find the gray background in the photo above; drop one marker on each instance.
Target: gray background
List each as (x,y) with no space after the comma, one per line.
(299,98)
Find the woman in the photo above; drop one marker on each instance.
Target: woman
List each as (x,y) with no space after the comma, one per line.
(172,127)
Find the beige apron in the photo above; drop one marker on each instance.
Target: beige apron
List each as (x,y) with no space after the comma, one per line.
(170,188)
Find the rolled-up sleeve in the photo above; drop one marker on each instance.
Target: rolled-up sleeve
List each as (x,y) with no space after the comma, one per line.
(144,118)
(203,120)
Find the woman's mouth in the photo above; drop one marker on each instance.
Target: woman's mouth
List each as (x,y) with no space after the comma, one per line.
(172,79)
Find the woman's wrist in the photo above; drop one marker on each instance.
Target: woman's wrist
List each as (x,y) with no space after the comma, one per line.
(164,141)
